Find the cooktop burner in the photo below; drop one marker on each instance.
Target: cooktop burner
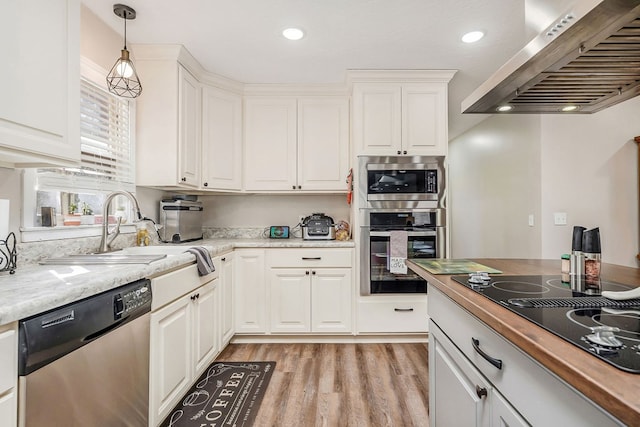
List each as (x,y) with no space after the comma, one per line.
(576,312)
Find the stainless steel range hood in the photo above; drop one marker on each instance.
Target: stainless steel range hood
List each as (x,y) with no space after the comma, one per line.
(588,58)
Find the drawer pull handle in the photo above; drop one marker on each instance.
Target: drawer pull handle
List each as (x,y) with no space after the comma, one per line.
(481,391)
(476,346)
(311,258)
(403,309)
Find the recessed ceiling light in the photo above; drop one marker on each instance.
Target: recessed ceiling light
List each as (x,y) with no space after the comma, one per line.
(504,108)
(568,108)
(472,36)
(293,33)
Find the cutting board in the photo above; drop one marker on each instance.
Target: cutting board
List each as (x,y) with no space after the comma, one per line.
(453,266)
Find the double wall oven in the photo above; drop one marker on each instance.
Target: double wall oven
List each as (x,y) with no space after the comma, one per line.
(399,194)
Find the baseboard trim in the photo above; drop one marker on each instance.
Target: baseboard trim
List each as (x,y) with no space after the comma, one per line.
(329,339)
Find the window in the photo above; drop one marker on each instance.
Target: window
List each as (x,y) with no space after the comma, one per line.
(107,163)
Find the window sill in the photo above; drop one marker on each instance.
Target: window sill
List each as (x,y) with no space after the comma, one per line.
(38,234)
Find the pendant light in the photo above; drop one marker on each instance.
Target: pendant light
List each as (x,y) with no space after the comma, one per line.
(123,80)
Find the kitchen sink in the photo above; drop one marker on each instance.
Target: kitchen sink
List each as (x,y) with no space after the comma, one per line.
(155,250)
(132,255)
(107,258)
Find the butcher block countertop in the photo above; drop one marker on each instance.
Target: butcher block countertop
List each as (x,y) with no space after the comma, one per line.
(616,391)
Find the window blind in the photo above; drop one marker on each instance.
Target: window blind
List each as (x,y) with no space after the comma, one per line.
(107,152)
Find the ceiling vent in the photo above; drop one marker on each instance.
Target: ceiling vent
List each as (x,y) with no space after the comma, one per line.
(586,61)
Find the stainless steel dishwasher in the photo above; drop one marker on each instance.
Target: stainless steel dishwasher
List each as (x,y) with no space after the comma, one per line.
(87,363)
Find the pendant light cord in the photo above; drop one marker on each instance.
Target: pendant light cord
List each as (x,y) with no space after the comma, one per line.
(125,31)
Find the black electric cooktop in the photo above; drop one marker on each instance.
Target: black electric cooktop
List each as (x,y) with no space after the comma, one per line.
(607,329)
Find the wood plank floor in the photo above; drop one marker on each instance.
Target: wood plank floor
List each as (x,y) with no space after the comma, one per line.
(341,384)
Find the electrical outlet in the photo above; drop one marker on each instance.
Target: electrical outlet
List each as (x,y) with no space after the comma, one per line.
(560,218)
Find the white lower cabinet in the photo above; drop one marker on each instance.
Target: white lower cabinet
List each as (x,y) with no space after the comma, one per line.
(249,290)
(503,387)
(464,396)
(9,375)
(225,265)
(310,290)
(184,338)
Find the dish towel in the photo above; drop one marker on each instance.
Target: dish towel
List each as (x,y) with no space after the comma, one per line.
(203,259)
(398,241)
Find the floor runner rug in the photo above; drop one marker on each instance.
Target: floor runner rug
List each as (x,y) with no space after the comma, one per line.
(226,394)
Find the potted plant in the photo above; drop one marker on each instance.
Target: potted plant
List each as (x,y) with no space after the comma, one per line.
(87,217)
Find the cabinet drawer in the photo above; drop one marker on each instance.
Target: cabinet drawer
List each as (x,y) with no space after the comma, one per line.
(8,357)
(520,377)
(309,258)
(408,316)
(172,286)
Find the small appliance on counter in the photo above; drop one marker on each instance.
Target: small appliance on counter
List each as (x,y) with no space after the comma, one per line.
(318,226)
(181,219)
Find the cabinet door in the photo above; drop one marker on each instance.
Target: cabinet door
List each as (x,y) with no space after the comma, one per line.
(8,375)
(206,339)
(270,143)
(331,308)
(377,118)
(458,394)
(171,360)
(221,139)
(290,299)
(323,143)
(40,75)
(424,119)
(503,414)
(189,128)
(249,289)
(226,299)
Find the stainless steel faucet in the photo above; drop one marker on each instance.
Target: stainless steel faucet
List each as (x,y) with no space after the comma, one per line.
(107,238)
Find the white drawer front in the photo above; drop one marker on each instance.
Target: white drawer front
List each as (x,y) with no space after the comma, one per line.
(524,382)
(309,258)
(172,286)
(398,316)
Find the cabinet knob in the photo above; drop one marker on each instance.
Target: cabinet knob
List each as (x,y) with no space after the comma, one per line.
(299,187)
(306,272)
(313,272)
(183,179)
(206,184)
(293,187)
(399,152)
(404,152)
(192,297)
(481,391)
(223,259)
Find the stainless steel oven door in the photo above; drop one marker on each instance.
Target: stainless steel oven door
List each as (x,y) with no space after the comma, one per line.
(375,276)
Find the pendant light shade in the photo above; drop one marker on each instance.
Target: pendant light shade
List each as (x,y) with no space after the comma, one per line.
(123,80)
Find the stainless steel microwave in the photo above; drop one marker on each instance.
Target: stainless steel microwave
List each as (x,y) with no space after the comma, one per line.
(387,182)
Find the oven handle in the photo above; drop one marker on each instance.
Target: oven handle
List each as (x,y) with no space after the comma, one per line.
(409,233)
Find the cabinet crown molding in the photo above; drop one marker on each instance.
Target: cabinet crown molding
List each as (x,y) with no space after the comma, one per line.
(404,76)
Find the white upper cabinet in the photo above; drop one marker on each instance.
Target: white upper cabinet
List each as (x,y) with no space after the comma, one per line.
(400,113)
(221,139)
(323,143)
(270,143)
(40,75)
(189,114)
(167,120)
(296,143)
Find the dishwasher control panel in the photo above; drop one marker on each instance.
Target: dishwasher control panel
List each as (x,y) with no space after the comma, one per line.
(132,298)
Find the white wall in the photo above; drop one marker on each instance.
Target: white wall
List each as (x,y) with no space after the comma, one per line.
(494,185)
(590,171)
(256,210)
(11,189)
(509,166)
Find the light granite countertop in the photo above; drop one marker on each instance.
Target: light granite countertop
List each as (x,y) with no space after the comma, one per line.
(35,288)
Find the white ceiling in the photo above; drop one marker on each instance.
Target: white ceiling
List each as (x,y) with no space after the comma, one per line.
(241,39)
